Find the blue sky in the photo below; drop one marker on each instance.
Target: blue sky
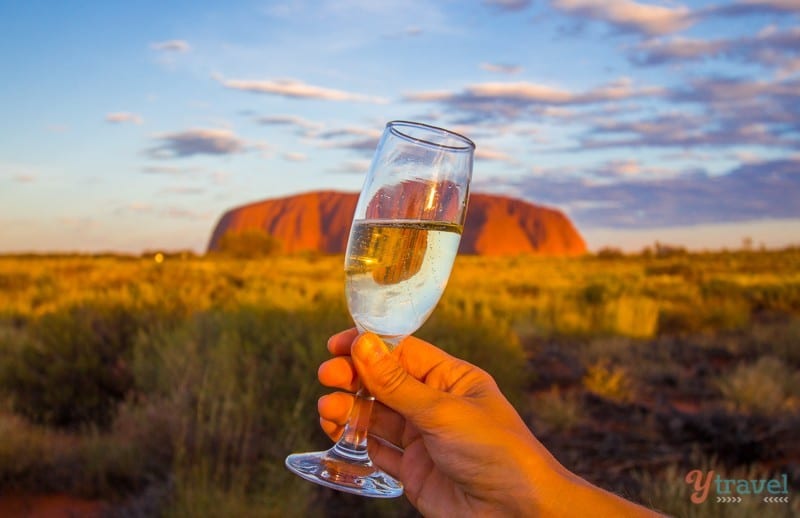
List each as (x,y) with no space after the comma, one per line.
(133,126)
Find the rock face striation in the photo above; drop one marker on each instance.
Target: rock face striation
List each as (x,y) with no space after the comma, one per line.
(320,222)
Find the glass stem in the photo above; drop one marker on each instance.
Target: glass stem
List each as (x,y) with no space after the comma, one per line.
(353,443)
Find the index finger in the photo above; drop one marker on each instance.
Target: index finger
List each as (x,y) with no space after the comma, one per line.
(339,344)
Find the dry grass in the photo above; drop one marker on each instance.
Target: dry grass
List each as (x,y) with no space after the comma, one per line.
(767,386)
(221,356)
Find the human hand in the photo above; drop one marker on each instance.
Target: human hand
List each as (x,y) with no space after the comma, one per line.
(447,432)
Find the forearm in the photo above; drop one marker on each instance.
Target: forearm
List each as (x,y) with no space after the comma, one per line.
(580,498)
(549,489)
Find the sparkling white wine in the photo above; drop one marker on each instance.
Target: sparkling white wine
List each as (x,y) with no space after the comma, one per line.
(396,271)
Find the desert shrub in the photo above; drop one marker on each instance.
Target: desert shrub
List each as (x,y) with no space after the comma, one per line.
(666,250)
(558,411)
(767,386)
(784,296)
(594,294)
(670,268)
(609,253)
(726,313)
(12,282)
(248,244)
(631,316)
(609,381)
(73,369)
(778,339)
(37,459)
(246,384)
(714,314)
(719,288)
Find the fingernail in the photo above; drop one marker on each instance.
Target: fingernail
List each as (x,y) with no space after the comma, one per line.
(370,348)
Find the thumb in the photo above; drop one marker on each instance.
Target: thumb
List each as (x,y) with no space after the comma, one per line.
(386,379)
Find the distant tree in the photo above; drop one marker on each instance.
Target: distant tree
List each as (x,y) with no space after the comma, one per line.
(249,243)
(609,252)
(665,250)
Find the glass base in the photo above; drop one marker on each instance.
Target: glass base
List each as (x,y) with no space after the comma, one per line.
(331,470)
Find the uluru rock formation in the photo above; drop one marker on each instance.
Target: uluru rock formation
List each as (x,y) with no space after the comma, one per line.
(320,222)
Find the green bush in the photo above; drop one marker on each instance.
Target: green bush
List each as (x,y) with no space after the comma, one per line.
(74,368)
(767,386)
(249,244)
(558,411)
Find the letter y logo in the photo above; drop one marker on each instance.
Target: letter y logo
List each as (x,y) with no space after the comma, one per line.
(701,486)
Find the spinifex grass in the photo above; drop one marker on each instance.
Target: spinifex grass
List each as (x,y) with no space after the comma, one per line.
(217,361)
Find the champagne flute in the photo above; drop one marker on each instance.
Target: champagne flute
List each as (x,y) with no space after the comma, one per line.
(403,241)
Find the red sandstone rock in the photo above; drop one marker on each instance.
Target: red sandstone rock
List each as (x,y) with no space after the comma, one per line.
(320,222)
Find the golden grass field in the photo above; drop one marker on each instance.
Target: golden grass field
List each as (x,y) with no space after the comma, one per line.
(176,388)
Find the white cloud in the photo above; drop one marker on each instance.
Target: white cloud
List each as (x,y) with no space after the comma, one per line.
(138,207)
(183,189)
(19,173)
(353,167)
(783,5)
(770,47)
(123,117)
(628,194)
(289,120)
(197,141)
(350,137)
(57,128)
(170,169)
(491,154)
(24,178)
(501,68)
(171,46)
(295,89)
(292,156)
(508,5)
(508,98)
(350,131)
(629,15)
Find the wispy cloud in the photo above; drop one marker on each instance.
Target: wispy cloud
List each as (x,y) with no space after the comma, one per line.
(290,120)
(509,99)
(508,5)
(176,212)
(770,47)
(24,178)
(137,207)
(409,32)
(184,189)
(171,169)
(349,131)
(293,156)
(778,5)
(123,117)
(184,213)
(171,46)
(197,141)
(352,167)
(295,89)
(750,7)
(19,173)
(501,68)
(630,16)
(350,137)
(491,154)
(56,128)
(752,191)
